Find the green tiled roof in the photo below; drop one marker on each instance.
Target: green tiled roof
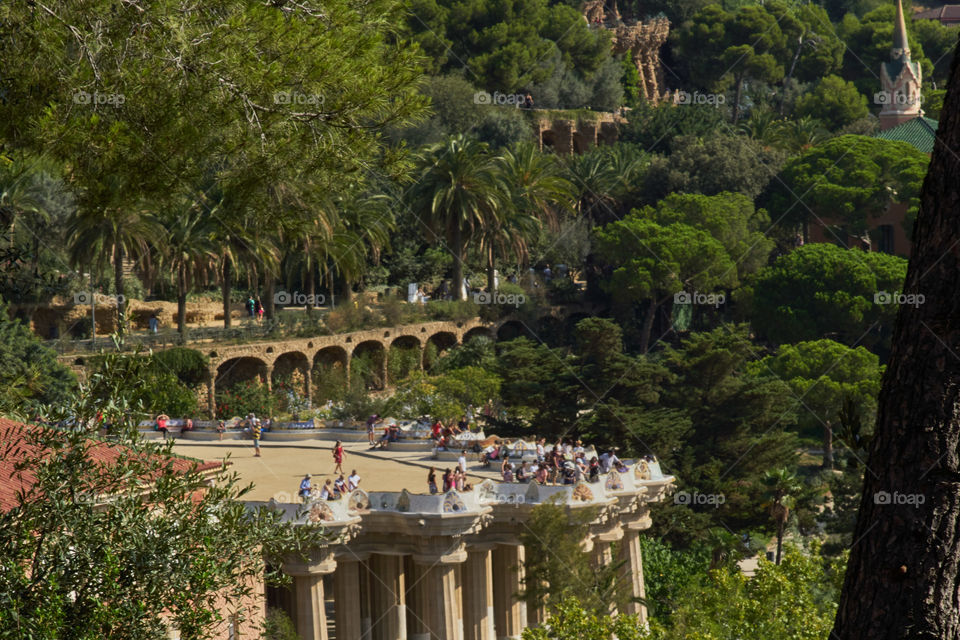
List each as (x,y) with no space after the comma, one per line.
(920,132)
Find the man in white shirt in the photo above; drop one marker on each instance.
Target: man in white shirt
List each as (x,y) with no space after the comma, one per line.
(353,481)
(605,462)
(462,460)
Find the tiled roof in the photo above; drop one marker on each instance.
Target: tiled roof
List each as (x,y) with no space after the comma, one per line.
(920,132)
(14,447)
(947,12)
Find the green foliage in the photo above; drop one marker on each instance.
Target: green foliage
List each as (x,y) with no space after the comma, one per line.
(712,165)
(478,351)
(279,626)
(188,365)
(571,621)
(402,362)
(834,101)
(795,600)
(846,181)
(29,372)
(511,46)
(556,567)
(249,396)
(821,290)
(669,574)
(95,550)
(445,396)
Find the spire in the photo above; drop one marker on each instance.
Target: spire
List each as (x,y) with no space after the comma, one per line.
(900,43)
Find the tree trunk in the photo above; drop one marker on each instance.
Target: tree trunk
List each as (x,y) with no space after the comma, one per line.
(182,299)
(491,271)
(458,257)
(309,284)
(902,576)
(269,285)
(118,287)
(736,100)
(828,446)
(647,328)
(225,286)
(780,527)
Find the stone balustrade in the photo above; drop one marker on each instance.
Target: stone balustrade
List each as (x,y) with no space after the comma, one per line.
(407,566)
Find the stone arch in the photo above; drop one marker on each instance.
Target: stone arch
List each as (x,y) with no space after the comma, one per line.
(512,329)
(240,369)
(404,357)
(330,373)
(292,366)
(435,346)
(481,331)
(368,364)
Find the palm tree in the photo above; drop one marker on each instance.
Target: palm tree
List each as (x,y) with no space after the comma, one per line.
(782,485)
(456,196)
(534,190)
(188,246)
(19,192)
(596,185)
(99,235)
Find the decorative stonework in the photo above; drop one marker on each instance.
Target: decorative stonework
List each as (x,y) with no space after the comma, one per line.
(614,482)
(321,512)
(403,502)
(453,503)
(533,493)
(486,492)
(642,471)
(358,501)
(582,493)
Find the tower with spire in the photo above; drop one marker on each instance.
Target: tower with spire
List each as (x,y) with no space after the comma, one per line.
(900,78)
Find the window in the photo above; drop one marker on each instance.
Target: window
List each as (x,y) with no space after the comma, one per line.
(886,238)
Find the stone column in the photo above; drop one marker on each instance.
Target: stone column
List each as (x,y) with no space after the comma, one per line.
(439,599)
(632,571)
(387,603)
(309,615)
(510,612)
(346,597)
(308,386)
(212,394)
(418,601)
(366,619)
(477,575)
(602,554)
(268,376)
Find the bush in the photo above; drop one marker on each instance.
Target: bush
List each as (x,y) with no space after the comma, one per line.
(457,310)
(188,365)
(249,396)
(279,626)
(563,291)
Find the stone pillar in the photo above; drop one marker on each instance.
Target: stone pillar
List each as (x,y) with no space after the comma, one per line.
(308,386)
(387,603)
(510,612)
(602,554)
(366,619)
(418,601)
(439,599)
(308,613)
(212,394)
(347,597)
(268,376)
(632,572)
(477,581)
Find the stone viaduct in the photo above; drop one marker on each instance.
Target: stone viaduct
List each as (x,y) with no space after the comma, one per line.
(404,566)
(321,355)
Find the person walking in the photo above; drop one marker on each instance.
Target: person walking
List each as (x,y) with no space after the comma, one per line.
(251,306)
(432,480)
(338,455)
(256,431)
(154,324)
(258,309)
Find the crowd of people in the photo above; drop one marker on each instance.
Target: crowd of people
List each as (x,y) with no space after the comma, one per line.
(330,489)
(565,463)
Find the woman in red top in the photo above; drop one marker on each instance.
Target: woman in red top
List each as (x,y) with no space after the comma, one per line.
(338,457)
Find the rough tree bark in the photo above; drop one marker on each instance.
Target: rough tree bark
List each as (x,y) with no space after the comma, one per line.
(902,577)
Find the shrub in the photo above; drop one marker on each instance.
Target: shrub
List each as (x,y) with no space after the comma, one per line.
(188,365)
(249,396)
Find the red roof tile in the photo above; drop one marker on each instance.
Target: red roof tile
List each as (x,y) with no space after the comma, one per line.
(15,447)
